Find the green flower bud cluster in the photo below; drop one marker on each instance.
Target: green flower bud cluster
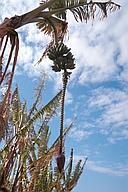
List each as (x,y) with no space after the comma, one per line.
(62,57)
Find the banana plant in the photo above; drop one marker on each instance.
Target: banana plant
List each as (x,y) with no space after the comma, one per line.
(60,54)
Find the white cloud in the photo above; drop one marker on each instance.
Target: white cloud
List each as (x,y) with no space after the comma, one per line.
(113,119)
(102,47)
(16,7)
(68,98)
(101,54)
(98,44)
(98,166)
(117,171)
(79,134)
(103,111)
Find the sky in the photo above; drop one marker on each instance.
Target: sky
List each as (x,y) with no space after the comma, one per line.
(97,95)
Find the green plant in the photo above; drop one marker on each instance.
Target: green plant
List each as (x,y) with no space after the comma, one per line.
(26,160)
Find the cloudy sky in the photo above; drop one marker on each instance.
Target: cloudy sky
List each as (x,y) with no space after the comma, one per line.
(97,96)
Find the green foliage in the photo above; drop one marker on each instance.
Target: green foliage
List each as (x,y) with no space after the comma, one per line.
(26,161)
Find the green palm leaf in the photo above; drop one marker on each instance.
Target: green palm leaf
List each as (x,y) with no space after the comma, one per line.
(15,109)
(48,108)
(76,175)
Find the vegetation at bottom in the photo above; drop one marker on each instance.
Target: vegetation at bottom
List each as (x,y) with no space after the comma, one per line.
(27,162)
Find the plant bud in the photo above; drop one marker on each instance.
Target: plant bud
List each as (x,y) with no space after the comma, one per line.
(60,162)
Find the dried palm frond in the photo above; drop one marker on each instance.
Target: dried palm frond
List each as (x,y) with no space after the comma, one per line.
(15,109)
(2,125)
(7,33)
(82,10)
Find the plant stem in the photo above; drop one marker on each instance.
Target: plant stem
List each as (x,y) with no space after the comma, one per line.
(65,81)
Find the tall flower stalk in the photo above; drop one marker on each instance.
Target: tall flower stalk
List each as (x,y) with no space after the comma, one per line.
(63,60)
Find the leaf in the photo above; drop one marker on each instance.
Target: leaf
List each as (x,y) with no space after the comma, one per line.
(49,108)
(76,175)
(38,96)
(15,108)
(68,176)
(83,10)
(2,126)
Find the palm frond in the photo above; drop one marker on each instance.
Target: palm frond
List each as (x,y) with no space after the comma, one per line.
(76,174)
(56,5)
(2,126)
(27,161)
(15,109)
(52,24)
(48,108)
(82,9)
(68,176)
(37,100)
(7,33)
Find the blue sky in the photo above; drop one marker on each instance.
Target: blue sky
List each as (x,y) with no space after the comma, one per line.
(97,95)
